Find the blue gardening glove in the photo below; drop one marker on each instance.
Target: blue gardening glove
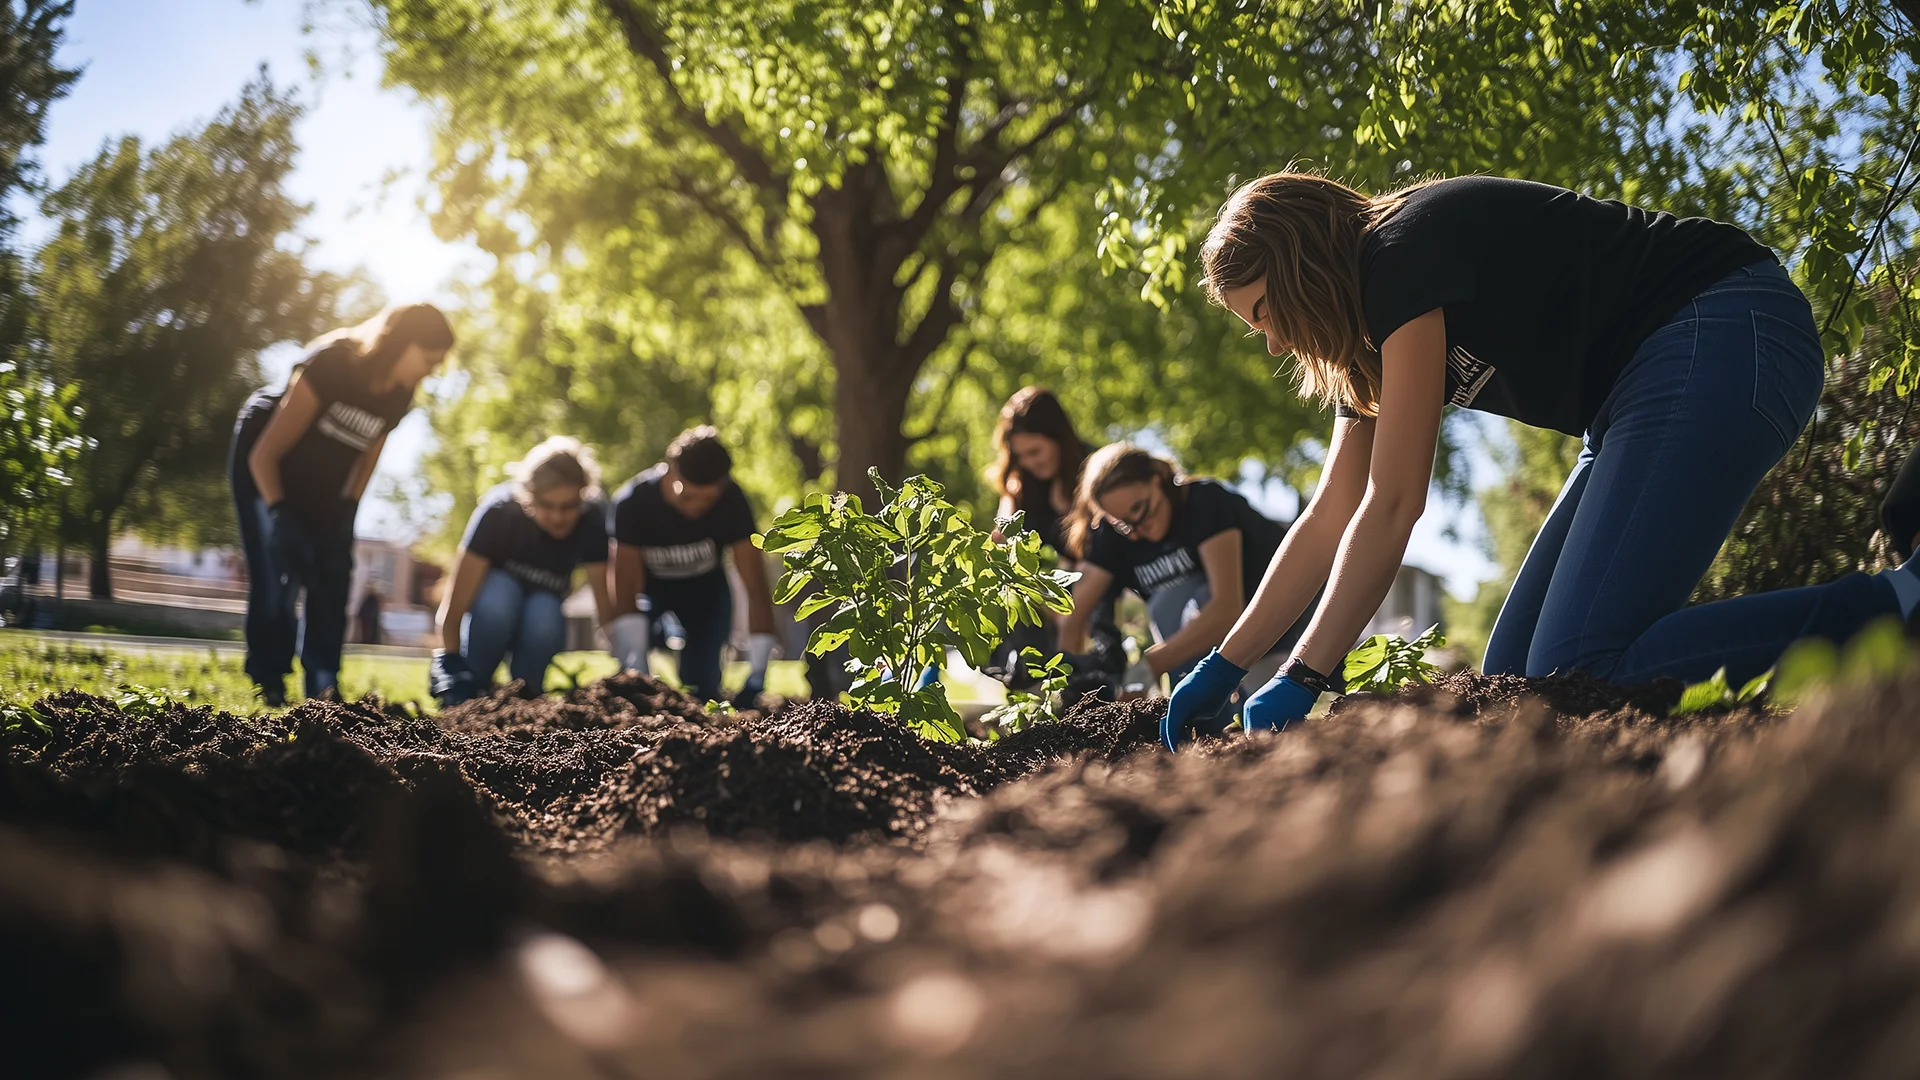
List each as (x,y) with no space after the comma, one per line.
(291,543)
(1200,696)
(1277,704)
(450,680)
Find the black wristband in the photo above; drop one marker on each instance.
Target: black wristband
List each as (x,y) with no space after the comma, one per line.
(1299,672)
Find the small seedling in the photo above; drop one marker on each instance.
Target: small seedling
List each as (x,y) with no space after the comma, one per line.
(1036,704)
(1715,692)
(1879,653)
(144,702)
(906,584)
(1388,661)
(22,723)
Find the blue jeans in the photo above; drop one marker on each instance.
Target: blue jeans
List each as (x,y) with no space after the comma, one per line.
(1707,405)
(509,620)
(275,618)
(704,606)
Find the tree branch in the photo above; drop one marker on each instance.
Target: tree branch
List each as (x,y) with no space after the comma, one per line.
(946,398)
(942,316)
(645,41)
(733,225)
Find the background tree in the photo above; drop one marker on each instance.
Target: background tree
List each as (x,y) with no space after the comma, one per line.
(845,232)
(171,268)
(37,439)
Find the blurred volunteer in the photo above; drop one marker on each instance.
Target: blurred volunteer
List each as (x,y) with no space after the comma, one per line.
(1037,465)
(671,526)
(1191,548)
(515,567)
(299,465)
(1035,471)
(1677,348)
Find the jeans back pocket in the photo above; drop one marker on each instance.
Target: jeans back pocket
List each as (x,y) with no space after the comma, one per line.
(1788,373)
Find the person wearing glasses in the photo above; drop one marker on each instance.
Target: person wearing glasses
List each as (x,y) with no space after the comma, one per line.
(1192,548)
(516,565)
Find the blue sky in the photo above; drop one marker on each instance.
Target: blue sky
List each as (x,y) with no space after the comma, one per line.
(153,68)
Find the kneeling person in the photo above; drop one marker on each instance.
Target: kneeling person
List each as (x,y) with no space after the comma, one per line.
(671,525)
(516,565)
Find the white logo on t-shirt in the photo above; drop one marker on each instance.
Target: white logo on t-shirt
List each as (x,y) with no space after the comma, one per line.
(676,561)
(1175,563)
(1469,374)
(353,426)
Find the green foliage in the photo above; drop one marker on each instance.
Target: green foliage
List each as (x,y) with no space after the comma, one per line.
(38,441)
(1879,653)
(1036,704)
(1388,661)
(144,702)
(39,445)
(21,723)
(906,584)
(1714,693)
(845,232)
(170,269)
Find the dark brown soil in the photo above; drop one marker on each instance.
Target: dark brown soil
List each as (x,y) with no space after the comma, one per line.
(1487,878)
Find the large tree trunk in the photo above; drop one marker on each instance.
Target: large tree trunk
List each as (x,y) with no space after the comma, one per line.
(868,414)
(99,543)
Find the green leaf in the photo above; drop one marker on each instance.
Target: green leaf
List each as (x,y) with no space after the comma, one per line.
(1704,695)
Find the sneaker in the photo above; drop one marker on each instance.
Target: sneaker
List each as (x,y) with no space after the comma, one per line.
(272,695)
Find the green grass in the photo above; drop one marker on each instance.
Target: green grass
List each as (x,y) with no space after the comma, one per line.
(32,667)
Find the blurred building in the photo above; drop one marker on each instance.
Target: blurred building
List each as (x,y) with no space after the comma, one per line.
(162,589)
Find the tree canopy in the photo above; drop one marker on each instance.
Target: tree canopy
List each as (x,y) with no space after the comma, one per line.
(171,267)
(846,231)
(38,441)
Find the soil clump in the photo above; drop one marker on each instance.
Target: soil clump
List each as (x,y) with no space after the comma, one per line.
(1481,878)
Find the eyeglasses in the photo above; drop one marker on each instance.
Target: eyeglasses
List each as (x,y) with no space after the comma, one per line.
(1137,515)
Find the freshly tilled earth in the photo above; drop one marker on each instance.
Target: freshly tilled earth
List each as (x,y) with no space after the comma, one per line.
(1480,878)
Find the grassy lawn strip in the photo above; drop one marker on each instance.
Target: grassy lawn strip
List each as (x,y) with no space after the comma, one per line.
(32,667)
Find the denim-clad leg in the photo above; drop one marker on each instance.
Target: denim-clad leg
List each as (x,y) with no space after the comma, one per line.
(704,606)
(1512,636)
(543,633)
(323,623)
(1709,403)
(492,624)
(271,628)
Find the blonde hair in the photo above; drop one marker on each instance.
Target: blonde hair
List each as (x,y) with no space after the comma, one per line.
(560,462)
(1303,234)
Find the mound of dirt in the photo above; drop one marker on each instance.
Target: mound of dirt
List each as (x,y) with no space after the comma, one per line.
(1486,884)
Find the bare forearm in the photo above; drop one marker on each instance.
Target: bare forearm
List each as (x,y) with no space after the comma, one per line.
(1073,631)
(1296,573)
(266,475)
(602,597)
(1194,640)
(1364,570)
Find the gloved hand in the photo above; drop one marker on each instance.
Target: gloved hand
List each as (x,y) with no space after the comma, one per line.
(631,638)
(450,680)
(291,543)
(1200,696)
(1277,704)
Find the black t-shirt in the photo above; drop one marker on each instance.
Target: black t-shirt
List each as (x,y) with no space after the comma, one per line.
(1037,503)
(505,534)
(1206,509)
(1547,292)
(673,545)
(321,464)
